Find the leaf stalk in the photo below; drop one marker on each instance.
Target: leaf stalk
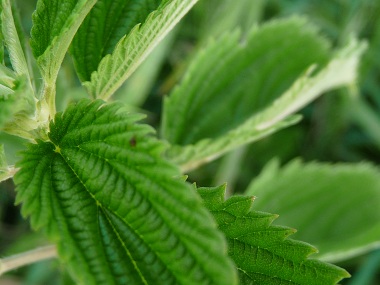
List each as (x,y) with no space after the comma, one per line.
(26,258)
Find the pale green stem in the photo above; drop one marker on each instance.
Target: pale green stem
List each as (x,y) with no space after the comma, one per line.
(26,258)
(46,108)
(49,97)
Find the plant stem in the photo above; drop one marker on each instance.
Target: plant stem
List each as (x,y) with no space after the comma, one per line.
(49,97)
(28,257)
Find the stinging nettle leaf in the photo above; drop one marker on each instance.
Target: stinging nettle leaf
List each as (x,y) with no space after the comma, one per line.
(16,104)
(324,212)
(230,80)
(6,171)
(113,205)
(133,48)
(13,41)
(262,252)
(55,23)
(237,93)
(111,20)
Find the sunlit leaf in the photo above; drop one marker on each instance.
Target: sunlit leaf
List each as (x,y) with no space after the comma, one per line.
(103,27)
(118,211)
(132,49)
(262,252)
(55,23)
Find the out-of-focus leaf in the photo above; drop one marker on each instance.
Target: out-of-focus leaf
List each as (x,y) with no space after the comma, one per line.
(335,207)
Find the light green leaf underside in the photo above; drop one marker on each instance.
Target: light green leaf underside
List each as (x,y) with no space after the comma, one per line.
(114,206)
(139,85)
(321,200)
(103,27)
(55,23)
(133,48)
(206,150)
(5,170)
(13,41)
(262,252)
(8,100)
(16,104)
(252,90)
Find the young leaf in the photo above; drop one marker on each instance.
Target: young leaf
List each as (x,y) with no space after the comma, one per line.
(229,81)
(5,170)
(55,23)
(16,104)
(13,41)
(114,206)
(133,48)
(250,91)
(3,165)
(111,20)
(262,252)
(324,212)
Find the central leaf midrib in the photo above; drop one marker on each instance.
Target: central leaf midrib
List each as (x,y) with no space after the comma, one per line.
(124,246)
(103,207)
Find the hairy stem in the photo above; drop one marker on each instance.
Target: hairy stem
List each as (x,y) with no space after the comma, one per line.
(28,257)
(49,97)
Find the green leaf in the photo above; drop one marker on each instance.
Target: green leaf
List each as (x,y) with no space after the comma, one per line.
(111,20)
(55,23)
(321,201)
(252,90)
(114,207)
(262,252)
(16,104)
(13,41)
(229,81)
(139,85)
(133,48)
(5,170)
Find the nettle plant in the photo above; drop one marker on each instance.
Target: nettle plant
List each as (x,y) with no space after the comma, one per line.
(112,196)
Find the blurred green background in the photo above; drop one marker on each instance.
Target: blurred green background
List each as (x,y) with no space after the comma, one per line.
(343,126)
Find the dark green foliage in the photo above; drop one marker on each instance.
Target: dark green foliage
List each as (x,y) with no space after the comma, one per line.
(114,207)
(262,252)
(105,25)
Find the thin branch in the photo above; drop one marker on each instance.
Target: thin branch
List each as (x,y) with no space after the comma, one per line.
(26,258)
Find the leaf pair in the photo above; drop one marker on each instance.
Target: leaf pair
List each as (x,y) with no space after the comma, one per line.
(119,215)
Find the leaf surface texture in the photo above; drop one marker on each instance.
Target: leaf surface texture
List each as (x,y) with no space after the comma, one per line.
(104,26)
(262,252)
(55,23)
(114,207)
(236,93)
(229,81)
(133,48)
